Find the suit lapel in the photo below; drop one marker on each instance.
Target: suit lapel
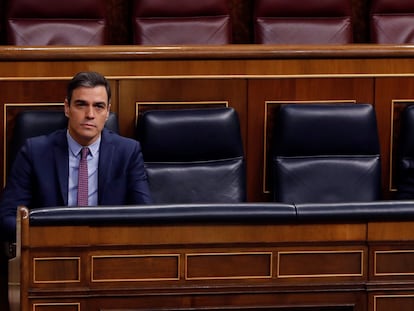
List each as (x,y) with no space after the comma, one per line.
(62,164)
(106,153)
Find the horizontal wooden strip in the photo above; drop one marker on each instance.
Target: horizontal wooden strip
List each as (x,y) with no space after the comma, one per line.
(393,302)
(56,306)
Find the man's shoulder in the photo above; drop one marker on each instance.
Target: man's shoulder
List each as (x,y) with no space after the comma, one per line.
(40,146)
(51,138)
(55,136)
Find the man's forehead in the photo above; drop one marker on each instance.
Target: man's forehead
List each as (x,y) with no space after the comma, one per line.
(96,94)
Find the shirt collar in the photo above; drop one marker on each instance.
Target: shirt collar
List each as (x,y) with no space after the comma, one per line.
(75,148)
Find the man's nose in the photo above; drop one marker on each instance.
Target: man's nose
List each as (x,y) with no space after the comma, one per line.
(90,112)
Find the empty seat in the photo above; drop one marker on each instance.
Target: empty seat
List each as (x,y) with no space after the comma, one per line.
(51,22)
(193,155)
(405,158)
(326,153)
(159,22)
(303,22)
(392,21)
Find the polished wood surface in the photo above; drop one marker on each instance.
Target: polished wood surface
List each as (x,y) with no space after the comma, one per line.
(308,266)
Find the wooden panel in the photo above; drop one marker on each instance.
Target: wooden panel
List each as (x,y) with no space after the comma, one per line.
(56,270)
(228,266)
(394,262)
(390,231)
(274,308)
(236,301)
(127,268)
(191,233)
(56,306)
(334,264)
(403,302)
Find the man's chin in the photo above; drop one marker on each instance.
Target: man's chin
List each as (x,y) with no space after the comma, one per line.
(88,137)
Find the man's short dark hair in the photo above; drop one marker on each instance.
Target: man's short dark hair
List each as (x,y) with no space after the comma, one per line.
(88,79)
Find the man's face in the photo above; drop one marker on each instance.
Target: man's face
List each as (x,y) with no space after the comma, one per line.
(87,113)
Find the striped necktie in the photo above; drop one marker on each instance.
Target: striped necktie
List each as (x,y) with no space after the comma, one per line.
(83,178)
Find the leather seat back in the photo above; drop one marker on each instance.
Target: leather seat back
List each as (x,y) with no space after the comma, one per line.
(193,155)
(303,22)
(326,153)
(51,22)
(405,158)
(159,22)
(392,21)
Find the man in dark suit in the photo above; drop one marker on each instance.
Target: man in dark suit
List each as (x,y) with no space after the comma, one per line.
(45,171)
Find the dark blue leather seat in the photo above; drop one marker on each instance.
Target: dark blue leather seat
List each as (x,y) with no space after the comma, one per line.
(193,155)
(405,158)
(326,153)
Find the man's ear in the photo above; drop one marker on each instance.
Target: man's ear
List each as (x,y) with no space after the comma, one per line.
(66,107)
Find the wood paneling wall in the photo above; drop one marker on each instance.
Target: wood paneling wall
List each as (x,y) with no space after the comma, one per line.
(273,264)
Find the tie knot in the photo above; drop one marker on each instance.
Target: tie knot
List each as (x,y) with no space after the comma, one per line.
(84,152)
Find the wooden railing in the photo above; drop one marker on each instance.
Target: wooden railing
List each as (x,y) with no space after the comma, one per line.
(216,257)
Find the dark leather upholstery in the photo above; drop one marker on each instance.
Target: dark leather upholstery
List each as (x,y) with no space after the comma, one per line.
(392,21)
(32,123)
(303,22)
(356,211)
(193,155)
(326,153)
(405,158)
(51,22)
(224,213)
(165,213)
(160,22)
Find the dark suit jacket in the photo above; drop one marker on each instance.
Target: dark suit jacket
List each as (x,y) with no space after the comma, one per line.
(39,175)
